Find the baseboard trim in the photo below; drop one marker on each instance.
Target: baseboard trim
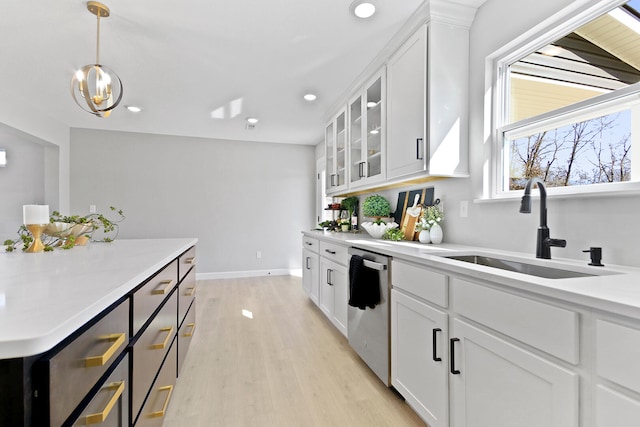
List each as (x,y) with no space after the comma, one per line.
(252,273)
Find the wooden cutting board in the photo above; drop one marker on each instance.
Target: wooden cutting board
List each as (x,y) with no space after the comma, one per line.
(411,216)
(405,199)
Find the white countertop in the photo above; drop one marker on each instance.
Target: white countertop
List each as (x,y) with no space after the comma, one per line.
(44,297)
(614,288)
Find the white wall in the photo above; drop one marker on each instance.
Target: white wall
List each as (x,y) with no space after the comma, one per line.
(236,197)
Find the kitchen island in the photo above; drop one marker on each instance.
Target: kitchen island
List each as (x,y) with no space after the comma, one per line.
(51,300)
(482,345)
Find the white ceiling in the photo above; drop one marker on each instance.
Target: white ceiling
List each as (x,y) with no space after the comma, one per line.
(182,60)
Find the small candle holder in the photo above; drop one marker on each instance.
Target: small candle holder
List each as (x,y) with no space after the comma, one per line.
(36,231)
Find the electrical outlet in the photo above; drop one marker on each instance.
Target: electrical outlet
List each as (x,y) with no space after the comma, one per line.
(258,254)
(92,208)
(464,209)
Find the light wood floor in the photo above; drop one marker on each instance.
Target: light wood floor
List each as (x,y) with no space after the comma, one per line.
(287,366)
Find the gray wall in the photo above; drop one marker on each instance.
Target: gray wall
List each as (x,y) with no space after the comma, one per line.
(236,197)
(23,181)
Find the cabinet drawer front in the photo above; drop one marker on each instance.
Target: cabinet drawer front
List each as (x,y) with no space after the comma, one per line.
(155,408)
(617,354)
(77,368)
(110,405)
(185,334)
(543,326)
(186,262)
(337,253)
(186,294)
(423,283)
(151,348)
(149,297)
(310,243)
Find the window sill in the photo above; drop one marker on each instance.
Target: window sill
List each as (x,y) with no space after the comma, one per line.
(623,189)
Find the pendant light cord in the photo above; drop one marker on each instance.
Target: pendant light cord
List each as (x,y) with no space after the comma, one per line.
(98,41)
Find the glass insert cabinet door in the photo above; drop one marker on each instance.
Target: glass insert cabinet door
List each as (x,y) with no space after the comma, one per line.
(336,154)
(366,133)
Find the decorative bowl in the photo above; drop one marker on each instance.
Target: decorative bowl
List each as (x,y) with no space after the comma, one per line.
(377,230)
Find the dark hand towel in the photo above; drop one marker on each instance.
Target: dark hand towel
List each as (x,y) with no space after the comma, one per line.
(364,284)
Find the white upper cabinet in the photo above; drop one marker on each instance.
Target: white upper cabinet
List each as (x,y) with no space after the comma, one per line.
(367,119)
(336,153)
(427,103)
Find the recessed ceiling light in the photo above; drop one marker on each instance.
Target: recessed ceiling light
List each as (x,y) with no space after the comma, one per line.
(134,109)
(371,104)
(252,120)
(363,9)
(310,97)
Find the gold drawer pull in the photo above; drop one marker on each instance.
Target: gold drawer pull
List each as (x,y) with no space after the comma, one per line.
(100,417)
(118,340)
(161,291)
(190,291)
(193,329)
(164,343)
(190,260)
(169,390)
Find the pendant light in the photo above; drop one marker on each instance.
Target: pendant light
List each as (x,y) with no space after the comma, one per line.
(96,88)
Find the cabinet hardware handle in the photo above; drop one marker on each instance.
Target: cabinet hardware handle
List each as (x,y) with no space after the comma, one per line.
(452,349)
(190,260)
(167,285)
(190,333)
(435,345)
(308,243)
(100,417)
(330,251)
(118,340)
(164,343)
(368,170)
(190,291)
(329,271)
(418,143)
(307,264)
(336,175)
(169,390)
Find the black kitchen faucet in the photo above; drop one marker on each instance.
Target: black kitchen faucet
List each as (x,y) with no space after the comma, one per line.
(544,242)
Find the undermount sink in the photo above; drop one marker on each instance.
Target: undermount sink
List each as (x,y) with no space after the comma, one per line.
(524,267)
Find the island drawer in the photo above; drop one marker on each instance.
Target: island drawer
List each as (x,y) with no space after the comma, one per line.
(337,253)
(150,349)
(186,261)
(187,293)
(544,326)
(149,297)
(421,282)
(109,407)
(74,370)
(310,243)
(185,334)
(155,408)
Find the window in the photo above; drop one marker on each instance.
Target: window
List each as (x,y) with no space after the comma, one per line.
(568,104)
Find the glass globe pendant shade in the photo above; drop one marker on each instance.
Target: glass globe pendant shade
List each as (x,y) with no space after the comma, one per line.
(96,89)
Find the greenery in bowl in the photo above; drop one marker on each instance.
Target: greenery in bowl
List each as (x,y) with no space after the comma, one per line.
(393,234)
(376,206)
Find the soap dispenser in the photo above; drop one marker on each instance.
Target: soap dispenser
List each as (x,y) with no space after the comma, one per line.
(596,256)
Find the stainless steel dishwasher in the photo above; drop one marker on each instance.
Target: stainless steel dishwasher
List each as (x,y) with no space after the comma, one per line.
(368,329)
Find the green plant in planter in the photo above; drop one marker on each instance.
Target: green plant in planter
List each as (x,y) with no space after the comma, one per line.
(94,222)
(376,206)
(350,204)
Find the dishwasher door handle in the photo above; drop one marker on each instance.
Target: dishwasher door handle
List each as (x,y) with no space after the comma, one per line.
(374,265)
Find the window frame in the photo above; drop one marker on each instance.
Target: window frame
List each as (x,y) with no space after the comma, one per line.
(562,23)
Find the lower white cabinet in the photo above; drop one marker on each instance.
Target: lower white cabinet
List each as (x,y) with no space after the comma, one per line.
(496,383)
(617,383)
(334,293)
(311,274)
(419,357)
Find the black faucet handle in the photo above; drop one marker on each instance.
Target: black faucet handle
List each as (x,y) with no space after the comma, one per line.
(559,243)
(596,256)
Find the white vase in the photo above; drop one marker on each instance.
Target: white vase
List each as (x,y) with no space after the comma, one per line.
(435,233)
(424,236)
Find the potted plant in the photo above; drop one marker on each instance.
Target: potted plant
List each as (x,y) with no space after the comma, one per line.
(376,206)
(350,204)
(69,231)
(430,220)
